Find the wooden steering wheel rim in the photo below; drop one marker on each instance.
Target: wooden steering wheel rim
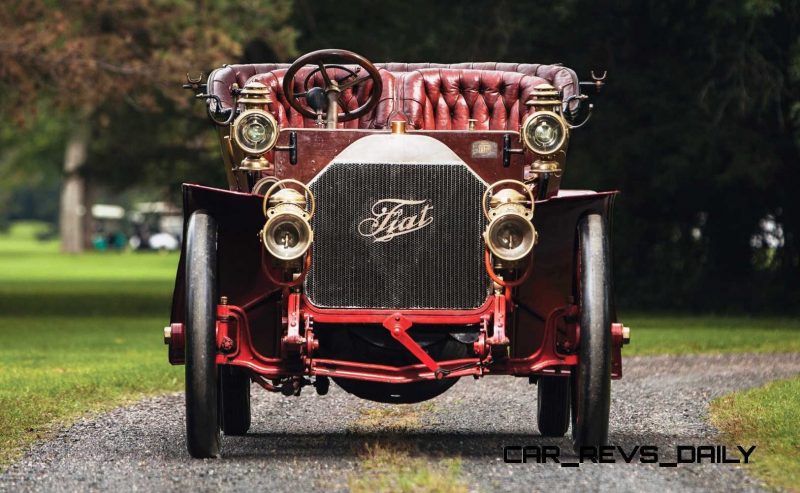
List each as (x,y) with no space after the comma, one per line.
(316,58)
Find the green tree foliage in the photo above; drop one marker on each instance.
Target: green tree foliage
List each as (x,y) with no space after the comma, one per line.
(699,125)
(30,192)
(117,67)
(87,54)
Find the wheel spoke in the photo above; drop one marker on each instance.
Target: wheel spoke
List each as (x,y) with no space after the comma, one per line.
(354,82)
(325,77)
(350,73)
(343,104)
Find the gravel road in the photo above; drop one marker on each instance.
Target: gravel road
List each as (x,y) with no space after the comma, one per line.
(316,443)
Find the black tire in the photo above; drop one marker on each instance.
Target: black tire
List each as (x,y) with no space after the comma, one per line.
(202,380)
(235,393)
(591,379)
(552,414)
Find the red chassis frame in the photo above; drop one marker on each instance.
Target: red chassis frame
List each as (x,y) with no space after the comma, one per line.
(235,346)
(513,339)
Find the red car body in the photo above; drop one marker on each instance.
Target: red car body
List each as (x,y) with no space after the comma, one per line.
(283,332)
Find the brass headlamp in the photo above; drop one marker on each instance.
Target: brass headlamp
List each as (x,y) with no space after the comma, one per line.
(254,95)
(545,131)
(287,234)
(255,130)
(510,234)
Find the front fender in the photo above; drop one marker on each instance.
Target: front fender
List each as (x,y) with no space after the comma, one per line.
(552,282)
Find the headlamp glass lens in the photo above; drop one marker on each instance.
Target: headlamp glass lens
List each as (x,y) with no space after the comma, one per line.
(509,235)
(255,133)
(544,134)
(285,235)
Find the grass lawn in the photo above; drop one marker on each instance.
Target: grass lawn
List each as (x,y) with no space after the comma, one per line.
(667,334)
(766,417)
(388,466)
(83,333)
(77,333)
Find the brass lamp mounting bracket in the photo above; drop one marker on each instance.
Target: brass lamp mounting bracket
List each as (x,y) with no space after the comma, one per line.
(597,82)
(195,83)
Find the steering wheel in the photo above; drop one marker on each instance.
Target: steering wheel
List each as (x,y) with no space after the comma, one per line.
(334,88)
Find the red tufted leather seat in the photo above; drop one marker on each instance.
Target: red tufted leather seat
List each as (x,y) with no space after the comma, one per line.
(353,98)
(447,98)
(428,96)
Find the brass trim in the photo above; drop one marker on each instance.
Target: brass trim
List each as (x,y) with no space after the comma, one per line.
(503,182)
(254,93)
(284,212)
(252,150)
(509,212)
(288,196)
(523,134)
(398,127)
(549,166)
(284,183)
(542,103)
(544,90)
(288,205)
(254,163)
(505,196)
(253,101)
(509,205)
(227,158)
(262,184)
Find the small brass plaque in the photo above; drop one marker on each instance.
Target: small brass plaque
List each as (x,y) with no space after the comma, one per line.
(484,149)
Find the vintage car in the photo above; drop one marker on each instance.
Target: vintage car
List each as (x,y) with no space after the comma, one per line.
(394,227)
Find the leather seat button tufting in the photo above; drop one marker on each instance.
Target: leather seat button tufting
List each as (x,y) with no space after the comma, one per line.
(433,98)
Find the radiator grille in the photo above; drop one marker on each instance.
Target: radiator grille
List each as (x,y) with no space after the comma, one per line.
(360,264)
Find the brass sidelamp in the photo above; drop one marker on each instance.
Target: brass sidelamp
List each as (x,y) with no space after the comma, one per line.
(255,131)
(545,132)
(254,95)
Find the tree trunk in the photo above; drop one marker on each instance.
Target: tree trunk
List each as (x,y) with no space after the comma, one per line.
(73,205)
